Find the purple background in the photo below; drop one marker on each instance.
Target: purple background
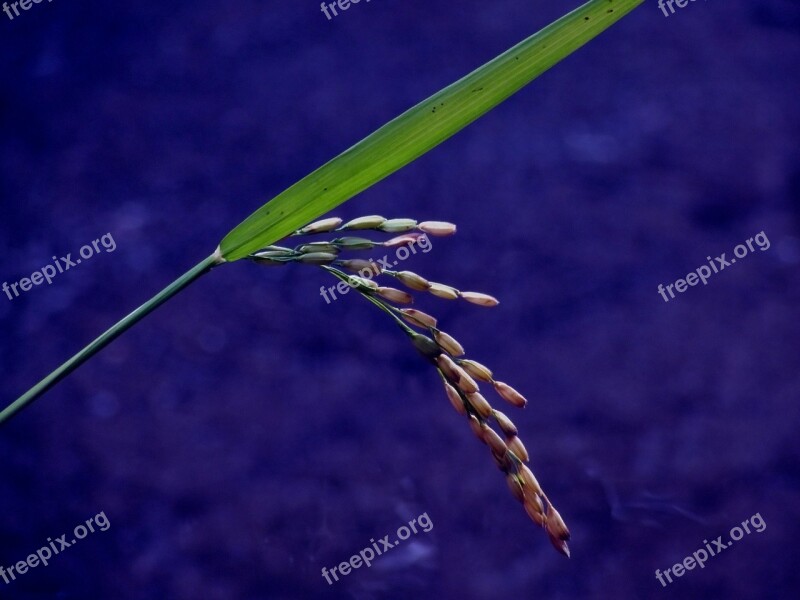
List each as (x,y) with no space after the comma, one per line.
(247,434)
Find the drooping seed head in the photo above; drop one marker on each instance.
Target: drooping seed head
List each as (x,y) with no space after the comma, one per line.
(476,369)
(354,243)
(476,427)
(316,258)
(448,343)
(395,295)
(495,442)
(530,482)
(480,299)
(518,448)
(515,487)
(437,228)
(556,525)
(418,318)
(402,240)
(357,265)
(426,347)
(509,394)
(455,399)
(370,222)
(397,225)
(320,226)
(480,404)
(413,281)
(443,291)
(506,425)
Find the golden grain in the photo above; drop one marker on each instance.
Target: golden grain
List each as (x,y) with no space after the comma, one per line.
(495,442)
(450,369)
(455,399)
(395,295)
(480,299)
(443,291)
(437,228)
(418,318)
(518,448)
(506,425)
(509,394)
(402,240)
(530,481)
(476,369)
(370,222)
(476,427)
(448,343)
(413,281)
(321,226)
(480,404)
(556,525)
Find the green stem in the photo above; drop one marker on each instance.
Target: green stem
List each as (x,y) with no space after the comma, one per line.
(108,336)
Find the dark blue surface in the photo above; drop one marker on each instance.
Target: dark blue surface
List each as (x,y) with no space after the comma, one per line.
(248,434)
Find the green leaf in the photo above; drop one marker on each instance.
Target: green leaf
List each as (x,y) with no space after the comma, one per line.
(421,128)
(391,147)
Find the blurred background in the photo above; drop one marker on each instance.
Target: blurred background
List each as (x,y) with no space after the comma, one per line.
(248,434)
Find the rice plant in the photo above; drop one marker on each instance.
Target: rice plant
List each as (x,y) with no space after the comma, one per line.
(396,144)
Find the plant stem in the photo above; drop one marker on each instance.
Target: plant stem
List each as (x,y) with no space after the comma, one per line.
(108,336)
